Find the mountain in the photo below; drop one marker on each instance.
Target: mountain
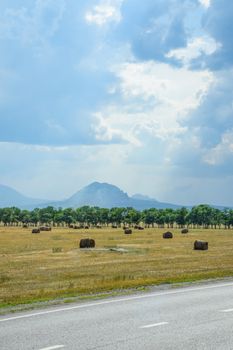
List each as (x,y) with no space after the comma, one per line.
(105,195)
(102,195)
(98,194)
(12,198)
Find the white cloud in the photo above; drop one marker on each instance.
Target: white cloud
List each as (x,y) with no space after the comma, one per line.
(222,151)
(195,48)
(115,122)
(155,100)
(104,131)
(165,84)
(205,3)
(107,11)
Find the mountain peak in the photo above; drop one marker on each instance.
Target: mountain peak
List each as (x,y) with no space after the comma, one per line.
(97,185)
(99,194)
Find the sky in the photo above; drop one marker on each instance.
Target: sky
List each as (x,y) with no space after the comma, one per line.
(135,93)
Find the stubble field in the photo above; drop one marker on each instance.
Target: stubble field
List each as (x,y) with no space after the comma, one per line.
(36,267)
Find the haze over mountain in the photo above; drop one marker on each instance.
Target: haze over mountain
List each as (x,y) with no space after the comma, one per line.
(105,195)
(142,196)
(9,197)
(98,194)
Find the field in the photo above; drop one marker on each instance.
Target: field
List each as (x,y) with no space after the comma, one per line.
(37,267)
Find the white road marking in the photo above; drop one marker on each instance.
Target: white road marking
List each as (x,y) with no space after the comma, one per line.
(53,347)
(114,301)
(227,310)
(155,325)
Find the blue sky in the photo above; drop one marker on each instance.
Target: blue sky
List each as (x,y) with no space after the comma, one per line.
(138,94)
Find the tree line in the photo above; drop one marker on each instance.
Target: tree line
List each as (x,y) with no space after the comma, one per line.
(202,215)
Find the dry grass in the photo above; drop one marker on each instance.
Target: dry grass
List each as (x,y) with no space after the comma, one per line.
(50,264)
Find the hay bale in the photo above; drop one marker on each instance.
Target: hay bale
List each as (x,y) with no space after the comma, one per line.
(98,226)
(128,231)
(200,245)
(86,227)
(140,228)
(184,230)
(35,230)
(87,243)
(25,225)
(45,228)
(167,234)
(114,226)
(57,249)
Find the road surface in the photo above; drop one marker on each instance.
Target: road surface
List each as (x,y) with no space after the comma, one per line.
(195,317)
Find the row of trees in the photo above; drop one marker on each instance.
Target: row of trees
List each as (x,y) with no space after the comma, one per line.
(199,216)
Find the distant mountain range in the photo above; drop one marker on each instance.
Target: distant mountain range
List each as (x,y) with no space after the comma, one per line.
(12,198)
(97,194)
(102,195)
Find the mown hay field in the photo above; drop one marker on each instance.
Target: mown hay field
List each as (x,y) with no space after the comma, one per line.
(36,267)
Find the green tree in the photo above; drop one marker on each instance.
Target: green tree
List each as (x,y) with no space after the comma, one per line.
(25,216)
(68,216)
(181,216)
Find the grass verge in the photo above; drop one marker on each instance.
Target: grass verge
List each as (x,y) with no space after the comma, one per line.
(36,269)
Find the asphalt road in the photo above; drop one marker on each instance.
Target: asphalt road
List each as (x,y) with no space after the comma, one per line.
(199,317)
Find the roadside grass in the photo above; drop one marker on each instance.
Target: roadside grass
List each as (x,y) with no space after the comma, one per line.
(50,265)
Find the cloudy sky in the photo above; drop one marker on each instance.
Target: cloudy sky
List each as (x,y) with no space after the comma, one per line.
(134,93)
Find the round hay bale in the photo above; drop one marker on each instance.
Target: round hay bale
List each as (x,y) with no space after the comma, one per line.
(167,235)
(25,225)
(114,226)
(184,230)
(87,243)
(140,228)
(92,243)
(35,230)
(200,245)
(128,231)
(45,228)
